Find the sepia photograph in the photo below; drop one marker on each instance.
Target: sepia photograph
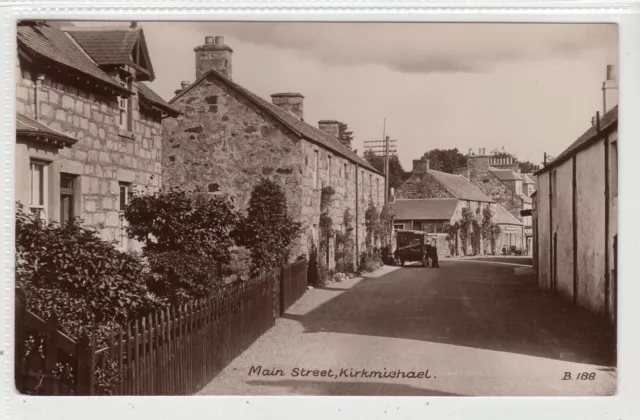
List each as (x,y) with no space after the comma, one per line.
(316,208)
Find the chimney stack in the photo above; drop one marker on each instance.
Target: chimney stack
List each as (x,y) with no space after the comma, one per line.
(290,102)
(183,85)
(469,152)
(329,126)
(610,90)
(133,25)
(214,54)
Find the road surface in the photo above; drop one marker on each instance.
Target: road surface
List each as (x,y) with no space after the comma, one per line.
(471,327)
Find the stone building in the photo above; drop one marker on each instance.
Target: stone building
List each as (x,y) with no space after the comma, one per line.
(88,130)
(228,137)
(576,215)
(430,200)
(500,179)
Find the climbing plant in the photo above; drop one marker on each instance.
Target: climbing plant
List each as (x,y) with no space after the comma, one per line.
(326,222)
(371,220)
(344,244)
(476,236)
(452,237)
(465,229)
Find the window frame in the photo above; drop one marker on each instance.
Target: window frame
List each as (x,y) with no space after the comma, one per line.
(316,162)
(68,192)
(40,209)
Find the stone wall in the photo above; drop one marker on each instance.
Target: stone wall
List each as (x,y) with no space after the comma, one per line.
(104,155)
(223,143)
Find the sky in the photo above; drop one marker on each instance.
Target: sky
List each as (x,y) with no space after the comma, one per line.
(527,88)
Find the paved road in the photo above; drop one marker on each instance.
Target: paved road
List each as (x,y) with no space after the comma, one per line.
(476,326)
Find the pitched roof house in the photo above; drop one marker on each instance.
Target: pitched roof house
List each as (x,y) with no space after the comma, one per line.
(87,127)
(228,137)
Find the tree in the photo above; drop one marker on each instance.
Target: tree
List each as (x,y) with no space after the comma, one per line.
(528,167)
(445,160)
(344,135)
(397,174)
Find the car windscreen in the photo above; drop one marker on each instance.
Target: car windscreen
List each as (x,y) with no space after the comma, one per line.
(406,239)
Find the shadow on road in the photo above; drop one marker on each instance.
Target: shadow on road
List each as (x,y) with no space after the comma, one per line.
(356,388)
(483,306)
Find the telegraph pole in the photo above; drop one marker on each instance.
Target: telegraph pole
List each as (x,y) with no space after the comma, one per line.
(386,161)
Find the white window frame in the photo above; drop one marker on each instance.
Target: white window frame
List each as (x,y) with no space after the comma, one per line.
(39,208)
(123,112)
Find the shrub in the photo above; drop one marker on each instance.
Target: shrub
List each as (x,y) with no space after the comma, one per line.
(178,221)
(371,222)
(370,261)
(71,271)
(268,231)
(86,282)
(317,272)
(187,239)
(345,244)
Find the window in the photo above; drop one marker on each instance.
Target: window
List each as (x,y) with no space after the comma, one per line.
(398,226)
(377,188)
(39,197)
(125,120)
(67,198)
(125,190)
(329,167)
(613,170)
(346,175)
(123,104)
(370,185)
(315,169)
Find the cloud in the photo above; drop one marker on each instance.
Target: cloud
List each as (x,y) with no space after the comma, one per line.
(422,47)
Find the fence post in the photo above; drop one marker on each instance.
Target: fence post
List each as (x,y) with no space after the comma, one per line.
(281,301)
(19,339)
(50,383)
(86,364)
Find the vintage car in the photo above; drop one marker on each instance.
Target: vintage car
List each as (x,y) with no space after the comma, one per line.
(412,245)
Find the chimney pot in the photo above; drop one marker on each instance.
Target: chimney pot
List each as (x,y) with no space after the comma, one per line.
(134,24)
(209,40)
(609,72)
(470,151)
(185,84)
(219,40)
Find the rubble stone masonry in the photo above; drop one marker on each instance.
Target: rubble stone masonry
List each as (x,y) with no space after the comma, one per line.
(104,155)
(224,143)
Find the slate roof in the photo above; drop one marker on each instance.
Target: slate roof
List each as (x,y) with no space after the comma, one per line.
(110,46)
(26,126)
(55,45)
(155,99)
(425,209)
(608,122)
(460,187)
(503,217)
(289,120)
(505,174)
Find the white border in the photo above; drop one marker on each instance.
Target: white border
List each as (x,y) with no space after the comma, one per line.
(625,405)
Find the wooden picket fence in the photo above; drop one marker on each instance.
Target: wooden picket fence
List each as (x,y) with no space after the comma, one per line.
(176,351)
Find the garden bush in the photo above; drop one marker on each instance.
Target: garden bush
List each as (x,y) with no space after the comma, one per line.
(88,284)
(268,231)
(187,237)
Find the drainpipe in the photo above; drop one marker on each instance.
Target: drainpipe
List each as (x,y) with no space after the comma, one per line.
(551,273)
(357,219)
(574,210)
(607,277)
(36,96)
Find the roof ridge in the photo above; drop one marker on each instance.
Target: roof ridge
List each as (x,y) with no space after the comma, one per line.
(264,104)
